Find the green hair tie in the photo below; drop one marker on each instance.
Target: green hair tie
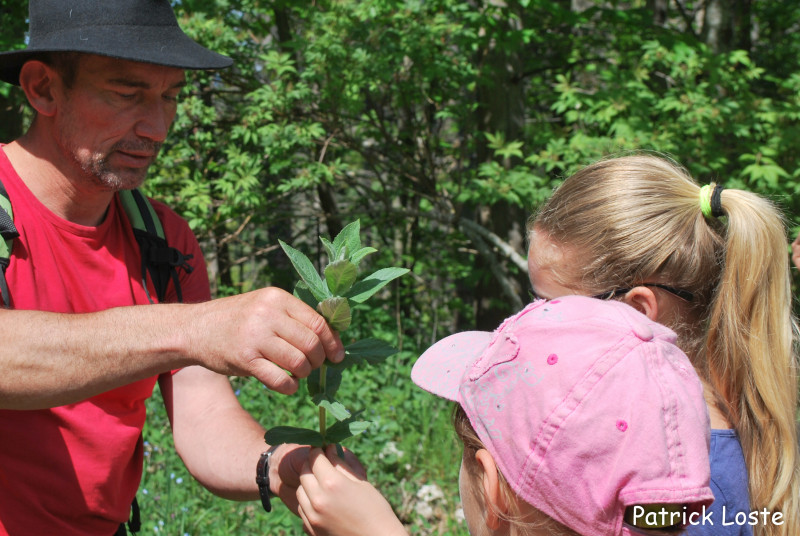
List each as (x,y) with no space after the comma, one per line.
(711,201)
(705,200)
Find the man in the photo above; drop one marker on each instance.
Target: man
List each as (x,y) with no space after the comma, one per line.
(79,355)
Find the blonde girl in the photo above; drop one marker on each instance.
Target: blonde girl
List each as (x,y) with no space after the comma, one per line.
(711,264)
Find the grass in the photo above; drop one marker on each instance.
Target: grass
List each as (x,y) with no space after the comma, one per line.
(410,453)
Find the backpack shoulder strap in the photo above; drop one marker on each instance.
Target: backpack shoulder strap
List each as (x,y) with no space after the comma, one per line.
(8,232)
(158,259)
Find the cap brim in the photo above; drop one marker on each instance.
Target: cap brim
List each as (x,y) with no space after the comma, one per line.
(157,45)
(441,367)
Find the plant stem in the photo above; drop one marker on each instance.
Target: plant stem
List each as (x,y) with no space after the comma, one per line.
(323,376)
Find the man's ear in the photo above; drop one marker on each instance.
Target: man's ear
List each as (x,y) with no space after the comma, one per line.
(495,502)
(37,81)
(643,300)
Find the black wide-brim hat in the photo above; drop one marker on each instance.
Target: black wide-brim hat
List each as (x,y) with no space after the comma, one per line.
(136,30)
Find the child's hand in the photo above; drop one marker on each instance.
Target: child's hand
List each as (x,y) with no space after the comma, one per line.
(333,501)
(288,463)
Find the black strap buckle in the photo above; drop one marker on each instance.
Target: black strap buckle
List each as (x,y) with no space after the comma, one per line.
(262,478)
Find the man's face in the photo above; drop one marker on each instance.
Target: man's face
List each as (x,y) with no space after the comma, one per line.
(112,121)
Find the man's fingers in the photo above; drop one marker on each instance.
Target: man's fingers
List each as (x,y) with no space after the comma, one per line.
(308,350)
(330,345)
(273,377)
(241,334)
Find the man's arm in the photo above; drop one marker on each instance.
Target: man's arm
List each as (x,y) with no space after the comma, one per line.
(51,359)
(220,443)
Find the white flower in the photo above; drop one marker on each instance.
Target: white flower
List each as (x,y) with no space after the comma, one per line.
(430,493)
(390,449)
(459,515)
(424,509)
(426,496)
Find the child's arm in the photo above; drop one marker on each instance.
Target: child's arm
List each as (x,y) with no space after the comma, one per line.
(334,502)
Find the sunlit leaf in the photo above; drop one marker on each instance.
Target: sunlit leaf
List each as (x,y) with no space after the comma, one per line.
(340,276)
(329,248)
(348,238)
(371,284)
(359,255)
(371,351)
(346,428)
(337,312)
(335,408)
(306,271)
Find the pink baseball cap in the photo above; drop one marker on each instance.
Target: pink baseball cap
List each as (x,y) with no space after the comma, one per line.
(588,408)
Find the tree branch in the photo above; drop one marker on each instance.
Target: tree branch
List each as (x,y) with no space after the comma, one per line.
(499,274)
(496,241)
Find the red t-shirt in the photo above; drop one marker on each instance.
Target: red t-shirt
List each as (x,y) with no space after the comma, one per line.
(74,470)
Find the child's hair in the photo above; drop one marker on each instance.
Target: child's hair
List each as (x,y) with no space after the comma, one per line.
(472,444)
(636,219)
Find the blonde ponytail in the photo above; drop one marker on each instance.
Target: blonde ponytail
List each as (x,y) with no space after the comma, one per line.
(638,219)
(749,353)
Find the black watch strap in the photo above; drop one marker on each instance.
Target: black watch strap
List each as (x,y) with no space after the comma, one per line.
(262,478)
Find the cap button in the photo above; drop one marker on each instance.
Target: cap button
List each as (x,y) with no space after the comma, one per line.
(643,331)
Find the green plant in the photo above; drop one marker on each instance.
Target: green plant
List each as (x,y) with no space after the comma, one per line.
(332,296)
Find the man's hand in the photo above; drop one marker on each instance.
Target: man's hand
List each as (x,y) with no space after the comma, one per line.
(265,334)
(335,500)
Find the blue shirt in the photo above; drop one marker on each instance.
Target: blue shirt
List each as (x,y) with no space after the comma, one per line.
(729,485)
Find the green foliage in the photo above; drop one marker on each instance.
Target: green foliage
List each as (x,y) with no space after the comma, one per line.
(338,111)
(408,425)
(333,295)
(13,114)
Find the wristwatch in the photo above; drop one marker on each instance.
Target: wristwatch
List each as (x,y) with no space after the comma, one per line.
(262,478)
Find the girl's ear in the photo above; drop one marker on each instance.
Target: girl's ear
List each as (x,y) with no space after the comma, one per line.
(36,80)
(495,502)
(643,300)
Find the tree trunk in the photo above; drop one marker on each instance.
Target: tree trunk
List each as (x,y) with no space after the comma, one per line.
(501,109)
(727,25)
(660,9)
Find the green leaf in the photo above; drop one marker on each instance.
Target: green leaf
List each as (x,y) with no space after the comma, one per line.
(306,271)
(359,255)
(340,450)
(333,379)
(301,291)
(348,238)
(371,351)
(335,408)
(340,276)
(291,434)
(337,312)
(330,248)
(371,284)
(347,428)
